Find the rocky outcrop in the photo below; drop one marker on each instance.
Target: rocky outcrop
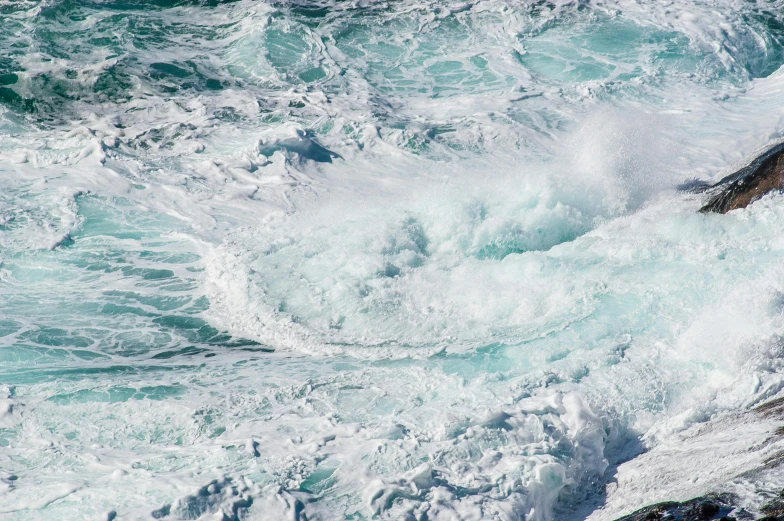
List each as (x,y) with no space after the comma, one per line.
(763,175)
(724,507)
(706,508)
(774,511)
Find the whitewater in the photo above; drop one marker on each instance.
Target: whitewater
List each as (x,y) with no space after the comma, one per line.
(398,260)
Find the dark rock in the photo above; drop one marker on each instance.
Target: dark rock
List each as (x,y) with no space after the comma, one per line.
(774,510)
(772,408)
(706,508)
(303,144)
(763,175)
(696,186)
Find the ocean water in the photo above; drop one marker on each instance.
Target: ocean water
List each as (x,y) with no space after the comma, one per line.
(397,260)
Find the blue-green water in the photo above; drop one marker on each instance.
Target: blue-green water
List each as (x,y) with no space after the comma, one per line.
(384,260)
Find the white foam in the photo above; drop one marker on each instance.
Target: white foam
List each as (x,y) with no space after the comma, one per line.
(478,306)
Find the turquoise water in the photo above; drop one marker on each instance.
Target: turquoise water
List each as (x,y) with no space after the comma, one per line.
(383,260)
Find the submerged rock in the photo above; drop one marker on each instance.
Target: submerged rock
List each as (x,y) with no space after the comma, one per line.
(706,508)
(763,175)
(773,511)
(299,142)
(724,507)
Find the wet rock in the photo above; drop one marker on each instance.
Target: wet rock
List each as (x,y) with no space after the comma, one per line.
(774,510)
(771,408)
(299,142)
(763,175)
(708,508)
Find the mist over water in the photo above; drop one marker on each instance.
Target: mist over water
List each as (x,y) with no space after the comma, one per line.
(384,260)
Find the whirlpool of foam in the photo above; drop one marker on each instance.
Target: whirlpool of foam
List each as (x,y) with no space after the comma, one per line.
(384,260)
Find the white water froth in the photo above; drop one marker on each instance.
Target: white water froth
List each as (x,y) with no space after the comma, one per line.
(490,297)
